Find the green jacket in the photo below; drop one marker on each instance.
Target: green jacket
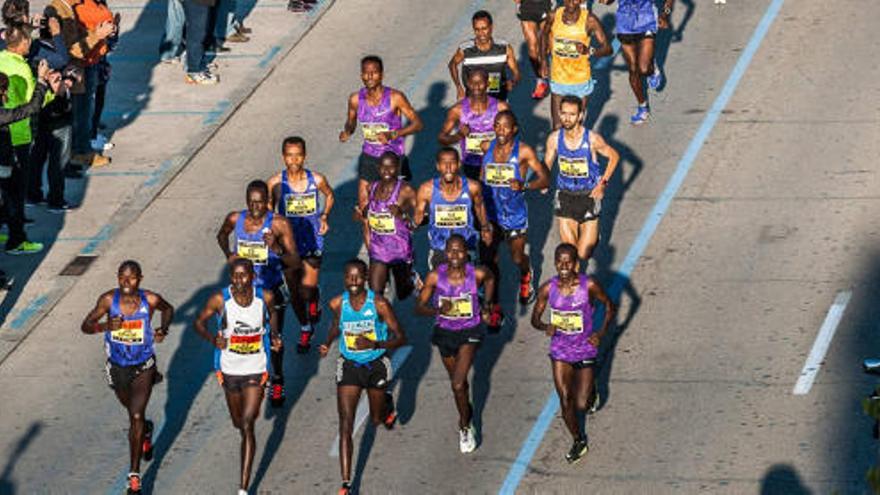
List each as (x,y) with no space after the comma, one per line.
(21,88)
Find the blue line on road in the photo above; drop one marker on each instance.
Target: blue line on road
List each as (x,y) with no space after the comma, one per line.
(99,238)
(28,312)
(268,56)
(533,441)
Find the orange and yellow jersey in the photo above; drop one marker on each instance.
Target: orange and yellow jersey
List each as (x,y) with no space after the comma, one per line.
(567,64)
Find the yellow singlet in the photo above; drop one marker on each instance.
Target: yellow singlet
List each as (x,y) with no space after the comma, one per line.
(567,65)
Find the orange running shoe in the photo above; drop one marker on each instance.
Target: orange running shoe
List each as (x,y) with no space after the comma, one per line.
(542,89)
(134,483)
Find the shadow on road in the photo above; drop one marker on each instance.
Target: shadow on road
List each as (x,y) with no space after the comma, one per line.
(7,486)
(783,479)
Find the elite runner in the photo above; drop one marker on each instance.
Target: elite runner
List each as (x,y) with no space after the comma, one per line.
(532,16)
(485,52)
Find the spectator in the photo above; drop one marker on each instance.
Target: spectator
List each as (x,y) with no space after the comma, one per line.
(85,46)
(227,25)
(197,12)
(172,43)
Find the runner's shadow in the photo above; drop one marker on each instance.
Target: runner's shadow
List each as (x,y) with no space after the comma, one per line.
(7,486)
(668,36)
(601,71)
(363,454)
(618,185)
(783,479)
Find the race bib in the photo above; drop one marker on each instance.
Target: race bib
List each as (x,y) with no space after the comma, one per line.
(569,322)
(245,344)
(574,167)
(494,82)
(130,333)
(256,251)
(372,130)
(450,216)
(499,174)
(565,48)
(475,139)
(301,205)
(381,223)
(461,306)
(354,329)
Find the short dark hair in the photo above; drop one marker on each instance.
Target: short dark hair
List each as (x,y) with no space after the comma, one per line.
(130,265)
(481,14)
(243,262)
(509,114)
(478,72)
(373,59)
(573,100)
(566,247)
(390,155)
(258,185)
(455,237)
(14,10)
(355,262)
(293,140)
(16,33)
(445,150)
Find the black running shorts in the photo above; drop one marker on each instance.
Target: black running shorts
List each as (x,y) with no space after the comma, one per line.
(448,342)
(122,377)
(374,374)
(533,10)
(576,206)
(631,38)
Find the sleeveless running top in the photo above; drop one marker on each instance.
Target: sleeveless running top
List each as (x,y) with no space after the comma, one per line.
(251,245)
(573,317)
(365,322)
(482,128)
(636,16)
(246,330)
(390,237)
(133,343)
(567,65)
(493,61)
(451,217)
(504,206)
(303,210)
(578,171)
(464,298)
(379,118)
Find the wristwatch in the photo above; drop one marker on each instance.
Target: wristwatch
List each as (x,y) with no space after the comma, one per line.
(667,10)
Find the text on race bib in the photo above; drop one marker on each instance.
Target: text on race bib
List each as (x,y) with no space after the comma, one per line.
(372,130)
(461,306)
(301,204)
(499,174)
(131,332)
(494,82)
(451,216)
(574,167)
(256,251)
(381,223)
(351,330)
(245,344)
(475,139)
(567,321)
(565,48)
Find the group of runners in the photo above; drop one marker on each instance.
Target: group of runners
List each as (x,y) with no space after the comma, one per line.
(474,204)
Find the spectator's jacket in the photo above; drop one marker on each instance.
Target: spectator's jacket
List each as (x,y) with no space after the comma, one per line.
(78,40)
(53,51)
(91,14)
(8,116)
(21,89)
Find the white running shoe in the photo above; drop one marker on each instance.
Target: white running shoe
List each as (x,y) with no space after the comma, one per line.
(467,441)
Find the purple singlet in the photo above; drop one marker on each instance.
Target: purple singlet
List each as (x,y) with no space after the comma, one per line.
(573,317)
(482,127)
(464,298)
(378,119)
(390,237)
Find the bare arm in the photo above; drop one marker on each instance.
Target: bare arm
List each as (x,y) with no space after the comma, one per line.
(387,314)
(539,307)
(214,306)
(550,149)
(594,27)
(401,103)
(423,199)
(597,293)
(544,44)
(91,322)
(454,62)
(329,200)
(273,183)
(223,235)
(351,118)
(486,279)
(514,68)
(283,235)
(166,312)
(476,191)
(424,306)
(450,133)
(332,332)
(603,148)
(542,180)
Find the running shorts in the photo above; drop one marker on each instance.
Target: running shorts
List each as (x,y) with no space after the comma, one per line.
(374,374)
(448,342)
(579,207)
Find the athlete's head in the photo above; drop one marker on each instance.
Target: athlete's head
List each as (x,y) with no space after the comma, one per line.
(389,164)
(570,5)
(129,276)
(242,273)
(478,83)
(293,152)
(257,198)
(505,126)
(566,260)
(571,111)
(482,24)
(448,163)
(355,276)
(371,71)
(456,251)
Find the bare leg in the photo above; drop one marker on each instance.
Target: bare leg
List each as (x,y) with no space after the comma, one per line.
(252,397)
(630,55)
(530,32)
(347,397)
(587,239)
(458,368)
(378,277)
(563,376)
(135,400)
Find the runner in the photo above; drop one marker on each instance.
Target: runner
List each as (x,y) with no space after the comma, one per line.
(387,223)
(267,240)
(580,184)
(131,361)
(296,193)
(567,38)
(242,309)
(506,164)
(573,343)
(484,52)
(450,295)
(379,109)
(532,15)
(454,200)
(637,23)
(364,319)
(469,122)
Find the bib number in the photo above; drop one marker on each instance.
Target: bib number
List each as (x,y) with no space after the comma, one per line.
(256,251)
(473,141)
(574,167)
(245,344)
(568,322)
(499,174)
(381,223)
(565,48)
(461,307)
(450,216)
(301,205)
(353,330)
(131,332)
(494,82)
(372,130)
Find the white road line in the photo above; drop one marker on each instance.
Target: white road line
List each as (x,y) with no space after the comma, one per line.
(823,341)
(363,409)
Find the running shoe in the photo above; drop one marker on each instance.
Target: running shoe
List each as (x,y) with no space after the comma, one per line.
(305,340)
(134,484)
(62,207)
(655,79)
(314,311)
(578,450)
(276,393)
(242,492)
(346,488)
(641,115)
(526,290)
(496,320)
(147,448)
(101,143)
(467,441)
(26,247)
(6,280)
(594,405)
(390,414)
(542,89)
(201,78)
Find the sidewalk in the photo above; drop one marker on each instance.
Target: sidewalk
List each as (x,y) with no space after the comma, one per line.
(157,123)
